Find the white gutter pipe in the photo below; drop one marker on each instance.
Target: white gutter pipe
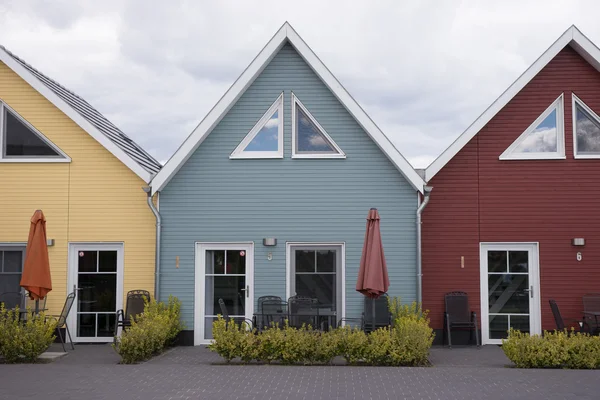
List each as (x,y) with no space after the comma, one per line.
(148,191)
(426,192)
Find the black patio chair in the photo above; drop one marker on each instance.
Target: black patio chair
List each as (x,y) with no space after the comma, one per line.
(458,315)
(12,299)
(263,299)
(228,319)
(271,312)
(560,324)
(376,313)
(591,304)
(61,321)
(303,311)
(134,306)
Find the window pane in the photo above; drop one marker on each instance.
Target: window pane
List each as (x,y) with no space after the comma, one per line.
(236,262)
(99,292)
(543,139)
(268,137)
(497,261)
(228,288)
(588,133)
(88,261)
(309,138)
(10,283)
(326,260)
(508,293)
(22,141)
(108,261)
(520,322)
(106,325)
(215,262)
(317,286)
(13,261)
(86,326)
(498,326)
(518,261)
(305,260)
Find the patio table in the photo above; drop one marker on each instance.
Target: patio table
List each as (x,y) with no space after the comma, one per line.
(279,318)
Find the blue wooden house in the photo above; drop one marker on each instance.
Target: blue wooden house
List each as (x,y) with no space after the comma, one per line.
(269,195)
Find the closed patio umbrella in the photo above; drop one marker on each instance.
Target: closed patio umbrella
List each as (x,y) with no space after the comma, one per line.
(36,269)
(373,280)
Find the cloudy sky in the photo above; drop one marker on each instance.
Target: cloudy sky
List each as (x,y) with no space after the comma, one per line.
(423,70)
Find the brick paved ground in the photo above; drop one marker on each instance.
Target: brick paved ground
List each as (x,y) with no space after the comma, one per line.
(90,372)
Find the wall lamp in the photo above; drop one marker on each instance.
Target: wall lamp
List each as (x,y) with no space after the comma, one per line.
(269,242)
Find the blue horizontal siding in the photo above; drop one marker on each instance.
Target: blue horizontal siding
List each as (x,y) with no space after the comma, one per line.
(215,199)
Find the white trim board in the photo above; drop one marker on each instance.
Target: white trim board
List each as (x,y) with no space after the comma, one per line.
(576,101)
(285,34)
(74,115)
(572,37)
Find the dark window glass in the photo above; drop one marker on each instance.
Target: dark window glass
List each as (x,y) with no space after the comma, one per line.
(21,141)
(86,325)
(508,293)
(325,261)
(106,325)
(107,261)
(226,287)
(305,260)
(215,262)
(498,326)
(13,261)
(317,286)
(88,261)
(236,262)
(518,261)
(98,292)
(497,261)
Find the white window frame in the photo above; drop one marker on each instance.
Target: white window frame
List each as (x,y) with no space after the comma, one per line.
(316,245)
(240,153)
(576,101)
(295,154)
(559,154)
(62,157)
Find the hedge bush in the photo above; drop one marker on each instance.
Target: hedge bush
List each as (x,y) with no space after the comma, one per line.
(557,349)
(407,342)
(153,330)
(24,341)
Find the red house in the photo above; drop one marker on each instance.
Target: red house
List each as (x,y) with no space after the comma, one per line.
(513,218)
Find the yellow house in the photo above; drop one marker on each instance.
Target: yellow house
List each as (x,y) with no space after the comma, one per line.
(60,155)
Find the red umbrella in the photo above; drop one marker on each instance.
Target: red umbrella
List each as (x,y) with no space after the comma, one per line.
(373,280)
(36,269)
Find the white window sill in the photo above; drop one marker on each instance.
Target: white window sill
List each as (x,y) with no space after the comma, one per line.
(319,156)
(35,160)
(532,158)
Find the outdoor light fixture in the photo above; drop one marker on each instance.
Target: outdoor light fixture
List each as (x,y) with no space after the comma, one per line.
(269,242)
(49,242)
(578,242)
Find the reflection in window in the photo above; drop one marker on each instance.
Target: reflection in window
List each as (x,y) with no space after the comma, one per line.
(587,131)
(267,138)
(542,139)
(309,138)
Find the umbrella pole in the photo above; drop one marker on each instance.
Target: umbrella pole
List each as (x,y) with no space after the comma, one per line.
(373,310)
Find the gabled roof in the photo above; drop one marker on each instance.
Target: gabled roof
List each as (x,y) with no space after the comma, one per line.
(572,37)
(284,35)
(86,116)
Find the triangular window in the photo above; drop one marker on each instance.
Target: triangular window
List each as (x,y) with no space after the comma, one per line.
(265,139)
(22,142)
(309,139)
(543,139)
(586,130)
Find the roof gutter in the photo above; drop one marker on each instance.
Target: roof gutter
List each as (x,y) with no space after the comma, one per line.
(426,193)
(148,191)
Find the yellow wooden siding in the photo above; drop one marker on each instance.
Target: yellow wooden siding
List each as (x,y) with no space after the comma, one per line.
(95,198)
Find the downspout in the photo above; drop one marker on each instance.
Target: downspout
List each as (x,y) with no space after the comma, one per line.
(148,191)
(426,192)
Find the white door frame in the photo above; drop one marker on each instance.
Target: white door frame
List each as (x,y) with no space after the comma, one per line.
(199,293)
(74,249)
(535,309)
(288,268)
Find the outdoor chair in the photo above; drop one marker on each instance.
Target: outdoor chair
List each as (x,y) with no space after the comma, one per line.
(61,321)
(560,324)
(303,311)
(458,315)
(12,299)
(263,299)
(227,318)
(376,314)
(591,312)
(271,312)
(134,306)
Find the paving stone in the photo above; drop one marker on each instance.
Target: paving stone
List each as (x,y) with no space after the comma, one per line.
(91,372)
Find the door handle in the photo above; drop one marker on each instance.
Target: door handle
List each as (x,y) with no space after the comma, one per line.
(530,290)
(247,290)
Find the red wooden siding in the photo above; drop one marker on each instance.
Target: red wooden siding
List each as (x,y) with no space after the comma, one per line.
(478,198)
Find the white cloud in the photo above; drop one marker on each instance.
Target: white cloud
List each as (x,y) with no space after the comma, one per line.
(422,70)
(272,123)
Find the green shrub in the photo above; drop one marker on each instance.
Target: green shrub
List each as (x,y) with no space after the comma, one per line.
(226,339)
(329,345)
(553,350)
(24,341)
(379,347)
(154,329)
(354,345)
(411,340)
(270,344)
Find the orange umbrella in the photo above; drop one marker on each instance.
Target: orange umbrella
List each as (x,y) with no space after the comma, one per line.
(373,280)
(36,269)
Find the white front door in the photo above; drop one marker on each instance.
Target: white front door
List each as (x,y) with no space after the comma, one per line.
(510,290)
(223,271)
(96,273)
